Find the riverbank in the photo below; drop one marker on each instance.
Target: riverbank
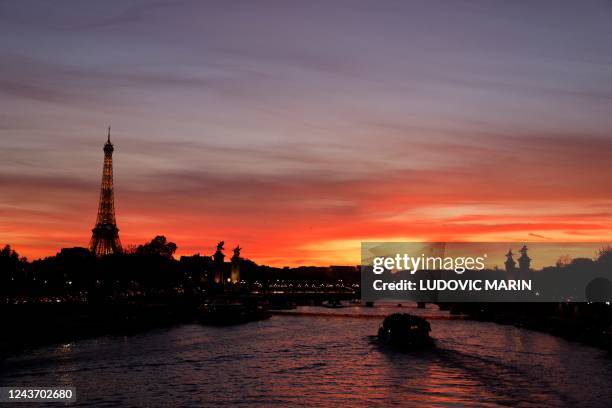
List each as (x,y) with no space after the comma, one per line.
(587,323)
(33,325)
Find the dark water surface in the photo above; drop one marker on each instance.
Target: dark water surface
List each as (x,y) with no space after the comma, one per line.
(321,361)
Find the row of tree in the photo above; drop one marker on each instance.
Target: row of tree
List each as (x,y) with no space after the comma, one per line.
(145,269)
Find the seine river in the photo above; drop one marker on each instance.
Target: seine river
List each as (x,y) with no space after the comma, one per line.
(319,360)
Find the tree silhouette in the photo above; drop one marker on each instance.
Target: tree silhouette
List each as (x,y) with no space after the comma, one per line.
(604,258)
(11,269)
(157,246)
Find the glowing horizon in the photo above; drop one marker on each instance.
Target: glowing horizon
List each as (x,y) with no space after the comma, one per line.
(299,130)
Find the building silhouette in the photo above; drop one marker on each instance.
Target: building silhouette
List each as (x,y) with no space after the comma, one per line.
(105,234)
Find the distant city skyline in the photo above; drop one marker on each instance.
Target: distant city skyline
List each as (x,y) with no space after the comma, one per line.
(299,129)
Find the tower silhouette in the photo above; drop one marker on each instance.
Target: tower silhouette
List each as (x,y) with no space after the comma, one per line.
(105,237)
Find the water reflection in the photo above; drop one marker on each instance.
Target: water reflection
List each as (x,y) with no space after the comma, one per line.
(318,360)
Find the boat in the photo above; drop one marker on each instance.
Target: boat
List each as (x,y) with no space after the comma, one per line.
(227,314)
(333,304)
(405,331)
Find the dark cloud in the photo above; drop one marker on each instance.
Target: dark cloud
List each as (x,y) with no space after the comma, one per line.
(531,234)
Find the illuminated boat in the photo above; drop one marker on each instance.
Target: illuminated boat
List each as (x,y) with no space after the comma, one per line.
(405,331)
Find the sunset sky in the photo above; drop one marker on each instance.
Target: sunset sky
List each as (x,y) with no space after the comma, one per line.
(297,129)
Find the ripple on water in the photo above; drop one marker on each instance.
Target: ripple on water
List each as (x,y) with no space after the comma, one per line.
(315,360)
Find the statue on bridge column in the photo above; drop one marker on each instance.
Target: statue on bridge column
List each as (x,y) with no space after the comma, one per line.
(218,258)
(235,274)
(510,265)
(524,263)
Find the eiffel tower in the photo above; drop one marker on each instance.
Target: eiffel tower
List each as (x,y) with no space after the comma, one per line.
(105,237)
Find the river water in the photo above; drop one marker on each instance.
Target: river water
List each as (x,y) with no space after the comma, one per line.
(325,359)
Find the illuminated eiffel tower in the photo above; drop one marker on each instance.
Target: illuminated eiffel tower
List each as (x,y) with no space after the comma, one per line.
(105,237)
